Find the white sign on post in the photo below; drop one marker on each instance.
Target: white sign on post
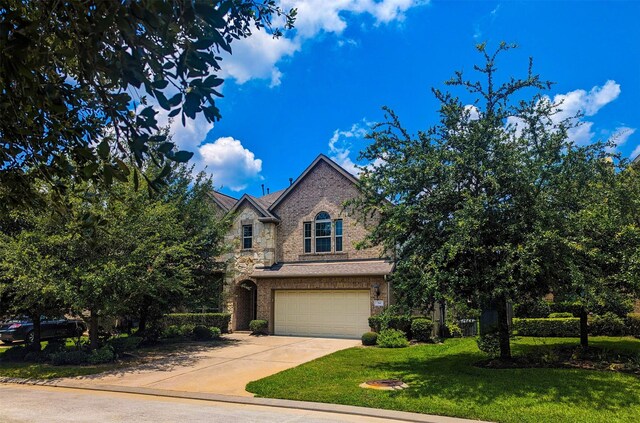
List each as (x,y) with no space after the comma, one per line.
(378,303)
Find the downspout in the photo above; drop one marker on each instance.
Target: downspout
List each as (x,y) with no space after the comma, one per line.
(388,290)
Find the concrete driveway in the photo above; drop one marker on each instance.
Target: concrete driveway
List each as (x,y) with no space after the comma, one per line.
(220,369)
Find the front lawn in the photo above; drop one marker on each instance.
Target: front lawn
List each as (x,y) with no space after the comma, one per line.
(443,380)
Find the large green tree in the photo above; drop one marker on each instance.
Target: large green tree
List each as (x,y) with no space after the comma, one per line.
(470,206)
(76,78)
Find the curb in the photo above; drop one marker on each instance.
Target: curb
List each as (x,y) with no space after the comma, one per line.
(266,402)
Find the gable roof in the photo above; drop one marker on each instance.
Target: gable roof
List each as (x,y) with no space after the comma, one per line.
(256,203)
(320,158)
(226,202)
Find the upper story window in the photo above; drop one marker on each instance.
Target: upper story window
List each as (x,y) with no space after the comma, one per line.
(338,235)
(307,237)
(247,237)
(323,232)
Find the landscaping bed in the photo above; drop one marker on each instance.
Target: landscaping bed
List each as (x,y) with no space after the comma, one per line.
(444,379)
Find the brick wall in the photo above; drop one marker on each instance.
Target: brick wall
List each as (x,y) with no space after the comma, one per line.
(267,288)
(323,189)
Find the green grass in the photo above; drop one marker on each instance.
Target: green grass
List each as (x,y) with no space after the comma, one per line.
(47,371)
(443,381)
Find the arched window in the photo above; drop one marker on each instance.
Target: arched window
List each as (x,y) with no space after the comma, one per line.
(323,232)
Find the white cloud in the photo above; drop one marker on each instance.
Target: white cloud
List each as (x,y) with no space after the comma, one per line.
(341,142)
(621,135)
(230,163)
(587,103)
(474,113)
(257,56)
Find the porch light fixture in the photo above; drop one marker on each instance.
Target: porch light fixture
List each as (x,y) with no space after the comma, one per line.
(376,290)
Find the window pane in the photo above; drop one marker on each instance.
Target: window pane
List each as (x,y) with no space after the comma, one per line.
(307,245)
(338,227)
(246,243)
(247,230)
(338,243)
(323,245)
(323,216)
(307,229)
(323,229)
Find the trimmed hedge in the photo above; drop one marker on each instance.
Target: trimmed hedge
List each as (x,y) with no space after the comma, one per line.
(561,315)
(608,324)
(219,320)
(563,327)
(422,329)
(632,323)
(259,327)
(369,338)
(399,322)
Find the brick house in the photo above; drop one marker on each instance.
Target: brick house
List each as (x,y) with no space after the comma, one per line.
(294,261)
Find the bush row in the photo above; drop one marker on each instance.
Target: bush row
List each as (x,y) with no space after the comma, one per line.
(218,320)
(608,324)
(542,308)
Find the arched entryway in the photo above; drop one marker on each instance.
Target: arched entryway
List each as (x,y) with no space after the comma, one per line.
(246,304)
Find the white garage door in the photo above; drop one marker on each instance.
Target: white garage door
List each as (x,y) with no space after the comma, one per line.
(339,313)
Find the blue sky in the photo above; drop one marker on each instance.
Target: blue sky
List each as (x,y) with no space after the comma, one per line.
(315,90)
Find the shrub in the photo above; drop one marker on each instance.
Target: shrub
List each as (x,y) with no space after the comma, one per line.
(565,307)
(489,344)
(16,353)
(375,323)
(124,344)
(369,338)
(178,331)
(392,338)
(560,315)
(202,333)
(54,346)
(259,327)
(422,329)
(216,333)
(632,324)
(101,355)
(219,320)
(74,357)
(564,327)
(608,324)
(532,309)
(384,321)
(454,330)
(36,357)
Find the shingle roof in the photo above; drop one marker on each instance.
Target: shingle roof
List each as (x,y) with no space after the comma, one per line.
(325,269)
(226,201)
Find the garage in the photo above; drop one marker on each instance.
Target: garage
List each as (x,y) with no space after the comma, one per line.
(332,313)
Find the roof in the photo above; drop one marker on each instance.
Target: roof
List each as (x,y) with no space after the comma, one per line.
(225,201)
(325,269)
(257,203)
(320,158)
(267,200)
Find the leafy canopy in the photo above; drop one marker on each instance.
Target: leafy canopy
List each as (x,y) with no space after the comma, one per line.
(76,77)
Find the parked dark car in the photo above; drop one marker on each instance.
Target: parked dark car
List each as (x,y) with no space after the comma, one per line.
(21,329)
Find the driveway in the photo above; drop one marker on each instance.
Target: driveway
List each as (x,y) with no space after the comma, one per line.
(220,369)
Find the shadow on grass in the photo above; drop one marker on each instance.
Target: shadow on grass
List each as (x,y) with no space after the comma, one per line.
(453,377)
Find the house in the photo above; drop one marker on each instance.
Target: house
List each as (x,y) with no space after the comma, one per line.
(294,261)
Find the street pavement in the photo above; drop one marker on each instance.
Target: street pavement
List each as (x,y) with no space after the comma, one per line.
(41,404)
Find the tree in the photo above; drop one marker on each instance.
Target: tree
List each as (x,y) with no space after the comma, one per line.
(600,253)
(76,78)
(469,207)
(32,267)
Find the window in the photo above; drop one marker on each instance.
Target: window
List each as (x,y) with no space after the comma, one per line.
(307,237)
(247,236)
(338,235)
(323,232)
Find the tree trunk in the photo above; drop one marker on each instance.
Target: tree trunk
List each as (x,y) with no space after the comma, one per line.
(584,328)
(37,333)
(503,329)
(93,331)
